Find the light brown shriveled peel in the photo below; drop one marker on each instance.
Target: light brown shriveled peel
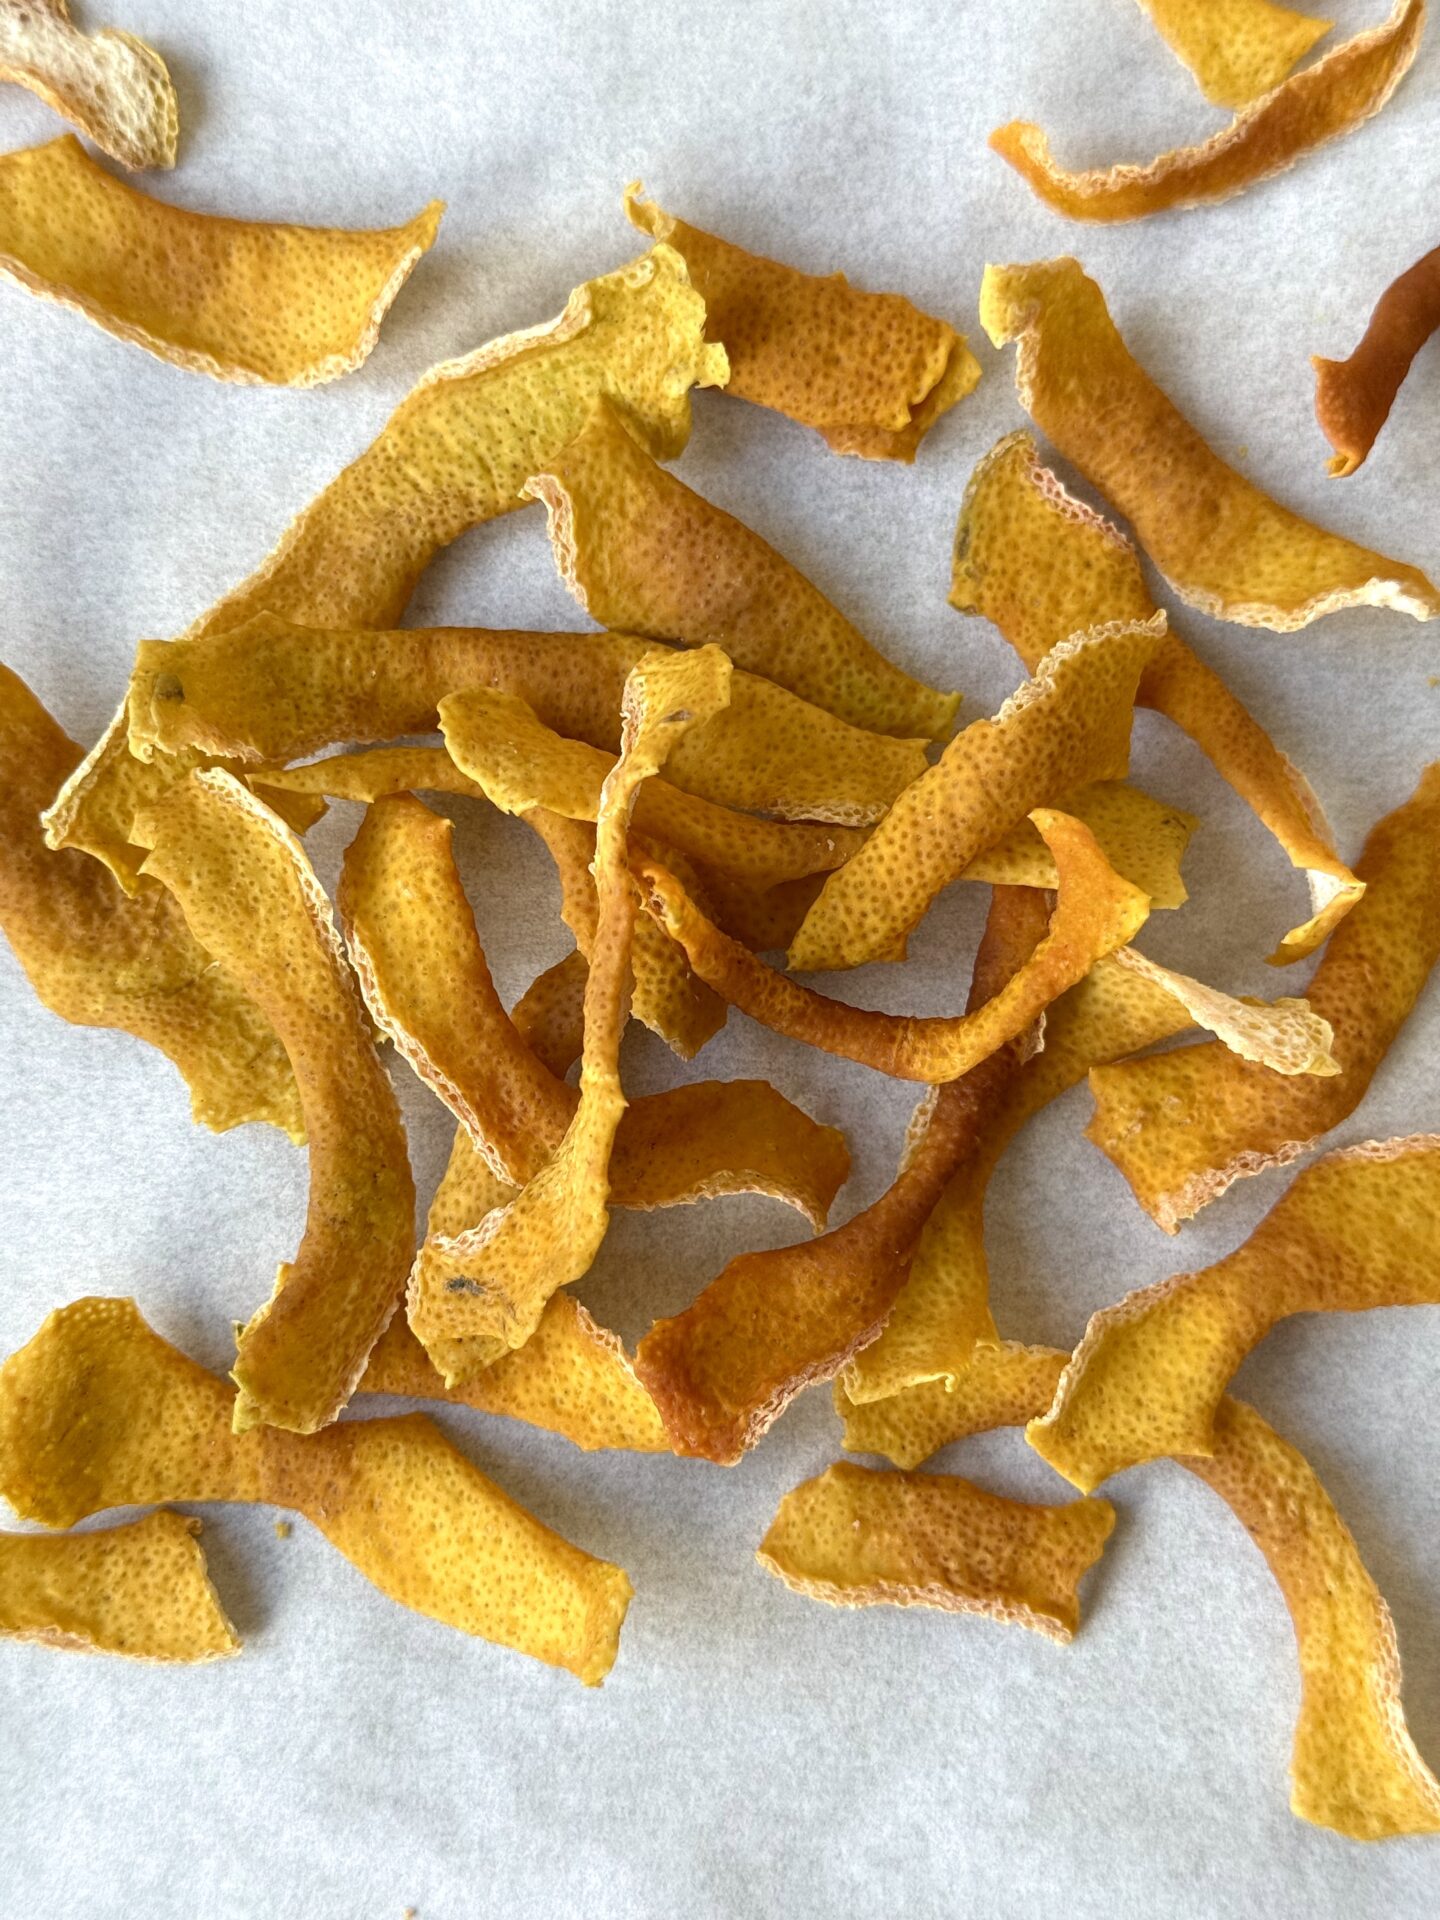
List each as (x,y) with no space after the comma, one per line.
(1042,565)
(110,85)
(1236,49)
(1182,1127)
(1144,840)
(1353,397)
(98,1411)
(454,453)
(139,1590)
(1063,729)
(101,958)
(480,1294)
(1359,1229)
(642,552)
(1096,912)
(238,299)
(248,893)
(867,370)
(1339,93)
(1223,545)
(854,1537)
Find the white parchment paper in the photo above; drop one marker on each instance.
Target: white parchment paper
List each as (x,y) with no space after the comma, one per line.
(752,1754)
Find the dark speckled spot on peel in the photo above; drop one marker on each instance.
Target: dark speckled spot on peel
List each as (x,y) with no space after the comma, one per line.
(461,1285)
(168,687)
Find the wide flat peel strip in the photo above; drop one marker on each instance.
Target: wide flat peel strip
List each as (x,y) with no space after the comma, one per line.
(112,86)
(1353,397)
(1236,49)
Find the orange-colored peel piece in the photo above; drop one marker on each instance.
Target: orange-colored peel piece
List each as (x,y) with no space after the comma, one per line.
(1353,397)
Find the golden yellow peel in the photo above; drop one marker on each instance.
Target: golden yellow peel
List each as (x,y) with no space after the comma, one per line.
(1236,49)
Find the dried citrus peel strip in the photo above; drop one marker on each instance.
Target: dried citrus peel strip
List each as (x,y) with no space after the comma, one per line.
(478,1295)
(110,85)
(98,1411)
(1339,93)
(854,1537)
(1353,397)
(139,1590)
(1236,49)
(1359,1229)
(101,958)
(1143,839)
(1285,1035)
(237,299)
(249,895)
(1063,729)
(454,453)
(640,551)
(868,370)
(1042,565)
(1222,544)
(1182,1127)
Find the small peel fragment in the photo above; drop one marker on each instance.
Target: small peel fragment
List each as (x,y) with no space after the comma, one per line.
(640,551)
(1340,92)
(1236,49)
(1353,397)
(1359,1229)
(109,84)
(242,300)
(1223,545)
(140,1590)
(98,1411)
(868,371)
(249,894)
(101,958)
(857,1537)
(1143,839)
(1185,1125)
(1042,565)
(1285,1035)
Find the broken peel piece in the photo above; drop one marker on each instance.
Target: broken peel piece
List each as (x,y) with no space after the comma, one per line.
(857,1537)
(640,551)
(1339,93)
(140,1590)
(1003,1384)
(1042,565)
(112,86)
(1353,397)
(1096,911)
(1285,1035)
(867,370)
(98,1411)
(1359,1229)
(249,895)
(1223,545)
(1184,1125)
(1143,839)
(240,300)
(1236,49)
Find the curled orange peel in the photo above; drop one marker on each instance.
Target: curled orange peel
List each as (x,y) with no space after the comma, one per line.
(1143,839)
(1236,49)
(239,300)
(112,86)
(1353,397)
(1339,93)
(1042,565)
(1223,545)
(1185,1125)
(98,1411)
(139,1590)
(249,895)
(640,551)
(868,371)
(855,1537)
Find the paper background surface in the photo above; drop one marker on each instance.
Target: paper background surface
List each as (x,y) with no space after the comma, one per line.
(752,1753)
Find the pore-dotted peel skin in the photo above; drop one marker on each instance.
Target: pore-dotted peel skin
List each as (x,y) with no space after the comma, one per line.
(1236,49)
(641,552)
(854,1537)
(98,1411)
(867,370)
(140,1590)
(1065,728)
(112,86)
(1183,1126)
(1339,93)
(1353,397)
(1359,1229)
(1042,565)
(457,451)
(1143,839)
(249,894)
(237,299)
(101,958)
(1223,545)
